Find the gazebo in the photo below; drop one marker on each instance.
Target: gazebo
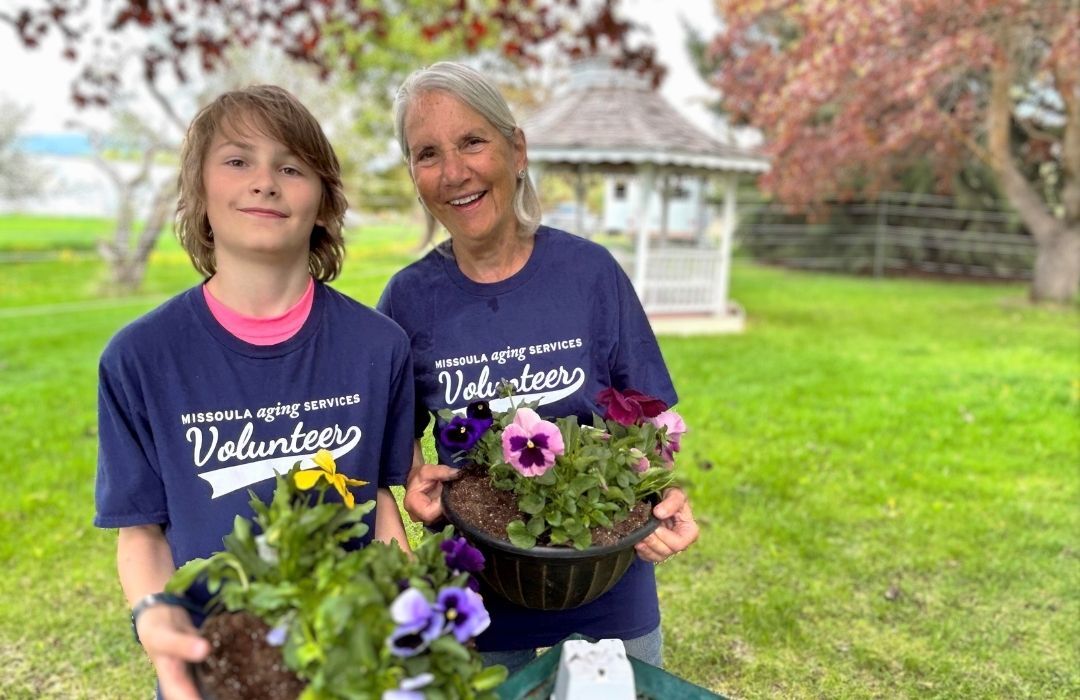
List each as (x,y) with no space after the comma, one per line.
(612,122)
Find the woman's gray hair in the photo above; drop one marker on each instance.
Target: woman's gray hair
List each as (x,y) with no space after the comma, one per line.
(474,90)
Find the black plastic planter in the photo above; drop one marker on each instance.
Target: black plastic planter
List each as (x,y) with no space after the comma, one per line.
(549,578)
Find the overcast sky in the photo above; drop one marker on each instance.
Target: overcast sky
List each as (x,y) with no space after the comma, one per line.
(40,79)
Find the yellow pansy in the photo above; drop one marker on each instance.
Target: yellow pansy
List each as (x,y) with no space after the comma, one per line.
(327,469)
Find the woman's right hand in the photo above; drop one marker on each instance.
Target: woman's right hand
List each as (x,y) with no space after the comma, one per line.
(171,642)
(423,491)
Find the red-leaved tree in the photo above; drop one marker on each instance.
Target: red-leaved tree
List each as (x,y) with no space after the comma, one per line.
(847,94)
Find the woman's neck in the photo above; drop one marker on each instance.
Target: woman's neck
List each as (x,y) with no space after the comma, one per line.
(494,262)
(259,291)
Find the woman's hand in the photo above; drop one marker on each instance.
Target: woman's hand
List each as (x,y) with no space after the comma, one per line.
(171,642)
(676,532)
(423,491)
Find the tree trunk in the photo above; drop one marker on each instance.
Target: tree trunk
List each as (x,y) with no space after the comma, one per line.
(1056,276)
(1057,266)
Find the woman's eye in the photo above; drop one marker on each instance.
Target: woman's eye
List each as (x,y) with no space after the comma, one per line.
(474,143)
(425,155)
(234,162)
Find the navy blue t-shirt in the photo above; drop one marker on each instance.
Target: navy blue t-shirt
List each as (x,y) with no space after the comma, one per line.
(562,329)
(190,417)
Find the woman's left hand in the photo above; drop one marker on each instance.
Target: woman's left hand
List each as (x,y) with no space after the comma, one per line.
(677,529)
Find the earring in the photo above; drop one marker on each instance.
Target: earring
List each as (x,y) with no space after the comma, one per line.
(521,174)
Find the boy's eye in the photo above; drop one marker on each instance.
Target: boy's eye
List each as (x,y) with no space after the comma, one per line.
(290,170)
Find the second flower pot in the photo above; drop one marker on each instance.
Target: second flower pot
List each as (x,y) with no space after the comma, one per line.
(548,578)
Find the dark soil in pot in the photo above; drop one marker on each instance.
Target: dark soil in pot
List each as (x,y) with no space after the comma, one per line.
(242,665)
(491,510)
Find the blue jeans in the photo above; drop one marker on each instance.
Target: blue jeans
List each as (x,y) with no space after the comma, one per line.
(648,648)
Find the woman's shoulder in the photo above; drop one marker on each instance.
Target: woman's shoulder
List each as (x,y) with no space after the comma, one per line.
(566,247)
(421,270)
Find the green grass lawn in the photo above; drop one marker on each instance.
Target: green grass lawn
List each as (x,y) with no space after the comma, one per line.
(886,474)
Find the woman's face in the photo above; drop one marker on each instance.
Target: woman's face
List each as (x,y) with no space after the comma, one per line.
(464,169)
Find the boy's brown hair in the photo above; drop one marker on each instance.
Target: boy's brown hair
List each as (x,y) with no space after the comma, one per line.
(277,114)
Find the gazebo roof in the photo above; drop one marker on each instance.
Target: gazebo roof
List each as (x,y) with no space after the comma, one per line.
(611,117)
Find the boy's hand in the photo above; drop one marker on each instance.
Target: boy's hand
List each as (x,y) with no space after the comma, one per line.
(171,642)
(423,491)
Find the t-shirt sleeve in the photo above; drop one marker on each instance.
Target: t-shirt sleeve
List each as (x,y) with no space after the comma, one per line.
(398,439)
(128,489)
(387,307)
(636,361)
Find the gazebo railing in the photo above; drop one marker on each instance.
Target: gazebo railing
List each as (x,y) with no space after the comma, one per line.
(678,280)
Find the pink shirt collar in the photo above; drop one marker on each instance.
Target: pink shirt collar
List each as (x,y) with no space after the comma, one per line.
(263,331)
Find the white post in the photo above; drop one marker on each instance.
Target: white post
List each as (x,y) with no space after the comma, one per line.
(536,173)
(646,178)
(579,199)
(699,232)
(727,233)
(665,201)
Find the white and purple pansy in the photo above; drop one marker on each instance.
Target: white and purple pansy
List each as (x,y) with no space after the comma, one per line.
(418,623)
(464,612)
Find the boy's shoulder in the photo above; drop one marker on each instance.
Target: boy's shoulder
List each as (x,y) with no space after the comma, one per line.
(361,317)
(159,327)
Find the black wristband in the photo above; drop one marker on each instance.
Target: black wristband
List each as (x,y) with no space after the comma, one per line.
(149,602)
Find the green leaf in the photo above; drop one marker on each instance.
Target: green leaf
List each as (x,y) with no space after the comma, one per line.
(548,478)
(531,504)
(536,526)
(519,535)
(489,678)
(582,540)
(583,483)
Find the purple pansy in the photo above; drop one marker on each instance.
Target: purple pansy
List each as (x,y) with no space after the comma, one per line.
(462,556)
(462,433)
(676,426)
(531,444)
(464,612)
(409,688)
(418,623)
(277,636)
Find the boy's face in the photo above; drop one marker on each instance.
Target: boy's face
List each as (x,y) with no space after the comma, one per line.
(262,201)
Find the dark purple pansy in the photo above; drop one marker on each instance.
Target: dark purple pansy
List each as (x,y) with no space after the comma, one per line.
(480,410)
(462,556)
(462,433)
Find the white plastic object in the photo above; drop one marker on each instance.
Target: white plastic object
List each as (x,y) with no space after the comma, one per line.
(597,671)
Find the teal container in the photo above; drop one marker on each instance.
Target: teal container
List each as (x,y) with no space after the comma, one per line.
(536,681)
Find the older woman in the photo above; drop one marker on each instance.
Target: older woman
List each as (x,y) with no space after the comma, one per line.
(505,298)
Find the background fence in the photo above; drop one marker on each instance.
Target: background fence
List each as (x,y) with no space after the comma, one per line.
(897,233)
